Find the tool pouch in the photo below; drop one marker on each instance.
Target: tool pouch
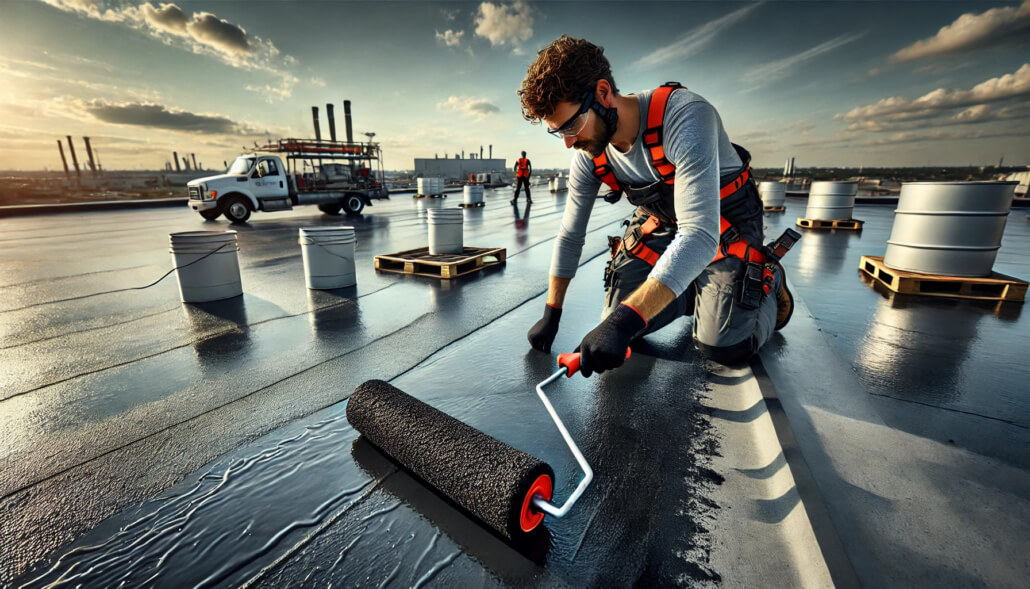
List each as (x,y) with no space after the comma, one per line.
(611,277)
(775,250)
(656,198)
(751,287)
(614,243)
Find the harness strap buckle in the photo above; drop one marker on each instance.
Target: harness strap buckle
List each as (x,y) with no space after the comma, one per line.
(653,136)
(731,235)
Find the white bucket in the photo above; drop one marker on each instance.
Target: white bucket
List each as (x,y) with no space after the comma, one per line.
(207,265)
(445,231)
(773,193)
(473,194)
(328,257)
(430,186)
(559,184)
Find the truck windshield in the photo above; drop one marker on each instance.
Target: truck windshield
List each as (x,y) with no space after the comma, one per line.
(242,165)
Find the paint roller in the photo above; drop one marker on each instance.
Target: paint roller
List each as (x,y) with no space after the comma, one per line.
(506,488)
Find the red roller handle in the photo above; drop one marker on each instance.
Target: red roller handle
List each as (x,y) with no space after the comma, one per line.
(570,362)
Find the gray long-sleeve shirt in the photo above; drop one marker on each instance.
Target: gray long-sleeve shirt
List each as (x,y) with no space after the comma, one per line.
(696,143)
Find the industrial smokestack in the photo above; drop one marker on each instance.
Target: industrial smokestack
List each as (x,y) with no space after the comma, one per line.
(463,154)
(331,117)
(186,163)
(491,152)
(346,120)
(89,154)
(480,152)
(60,146)
(225,164)
(318,129)
(194,157)
(175,158)
(75,160)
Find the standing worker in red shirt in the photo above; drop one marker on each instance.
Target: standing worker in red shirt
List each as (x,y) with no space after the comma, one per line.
(522,171)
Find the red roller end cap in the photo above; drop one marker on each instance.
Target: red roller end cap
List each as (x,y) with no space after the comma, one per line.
(530,517)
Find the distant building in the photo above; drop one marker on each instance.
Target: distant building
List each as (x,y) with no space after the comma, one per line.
(457,168)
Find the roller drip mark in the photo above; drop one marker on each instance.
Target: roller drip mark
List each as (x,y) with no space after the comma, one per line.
(231,568)
(393,575)
(289,553)
(426,551)
(343,553)
(376,514)
(439,566)
(175,514)
(163,523)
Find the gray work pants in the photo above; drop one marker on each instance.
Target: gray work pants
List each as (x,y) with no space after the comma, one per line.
(724,331)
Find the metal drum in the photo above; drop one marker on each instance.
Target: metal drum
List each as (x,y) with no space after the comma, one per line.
(773,193)
(831,201)
(949,228)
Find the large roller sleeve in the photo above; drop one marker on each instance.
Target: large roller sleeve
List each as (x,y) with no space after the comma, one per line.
(487,477)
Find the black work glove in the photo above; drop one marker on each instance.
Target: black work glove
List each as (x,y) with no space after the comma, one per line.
(541,335)
(605,346)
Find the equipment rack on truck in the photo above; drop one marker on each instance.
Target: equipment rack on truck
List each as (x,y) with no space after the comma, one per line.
(334,175)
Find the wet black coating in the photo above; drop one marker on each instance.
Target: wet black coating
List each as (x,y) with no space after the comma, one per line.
(485,476)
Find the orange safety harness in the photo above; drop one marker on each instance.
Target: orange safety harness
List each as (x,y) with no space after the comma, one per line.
(523,168)
(731,244)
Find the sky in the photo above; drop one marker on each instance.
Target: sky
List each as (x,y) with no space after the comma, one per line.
(829,83)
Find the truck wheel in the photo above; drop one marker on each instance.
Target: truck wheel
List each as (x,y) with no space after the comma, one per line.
(211,214)
(330,209)
(236,209)
(353,204)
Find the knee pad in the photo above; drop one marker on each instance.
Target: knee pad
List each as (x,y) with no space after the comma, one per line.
(733,354)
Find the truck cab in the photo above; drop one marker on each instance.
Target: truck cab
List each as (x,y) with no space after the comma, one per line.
(336,176)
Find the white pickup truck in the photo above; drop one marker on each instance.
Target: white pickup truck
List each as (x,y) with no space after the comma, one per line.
(336,176)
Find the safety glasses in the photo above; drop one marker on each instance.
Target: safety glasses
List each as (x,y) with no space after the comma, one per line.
(574,126)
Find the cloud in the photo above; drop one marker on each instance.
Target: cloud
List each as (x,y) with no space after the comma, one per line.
(478,107)
(768,72)
(168,18)
(974,115)
(1008,86)
(694,40)
(450,38)
(202,33)
(159,116)
(503,24)
(970,32)
(275,92)
(224,36)
(938,135)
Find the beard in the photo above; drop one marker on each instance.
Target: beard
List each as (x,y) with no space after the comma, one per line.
(594,146)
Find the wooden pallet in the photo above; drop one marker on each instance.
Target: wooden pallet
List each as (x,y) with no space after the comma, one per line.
(849,224)
(420,262)
(473,205)
(774,209)
(996,287)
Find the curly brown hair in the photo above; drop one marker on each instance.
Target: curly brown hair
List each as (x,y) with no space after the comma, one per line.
(564,71)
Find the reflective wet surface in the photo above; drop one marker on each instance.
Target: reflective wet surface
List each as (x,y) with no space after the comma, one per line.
(111,400)
(168,444)
(951,370)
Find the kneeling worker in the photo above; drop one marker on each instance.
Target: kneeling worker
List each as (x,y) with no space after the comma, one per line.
(694,244)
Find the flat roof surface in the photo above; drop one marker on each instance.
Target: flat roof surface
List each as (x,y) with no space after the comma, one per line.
(210,440)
